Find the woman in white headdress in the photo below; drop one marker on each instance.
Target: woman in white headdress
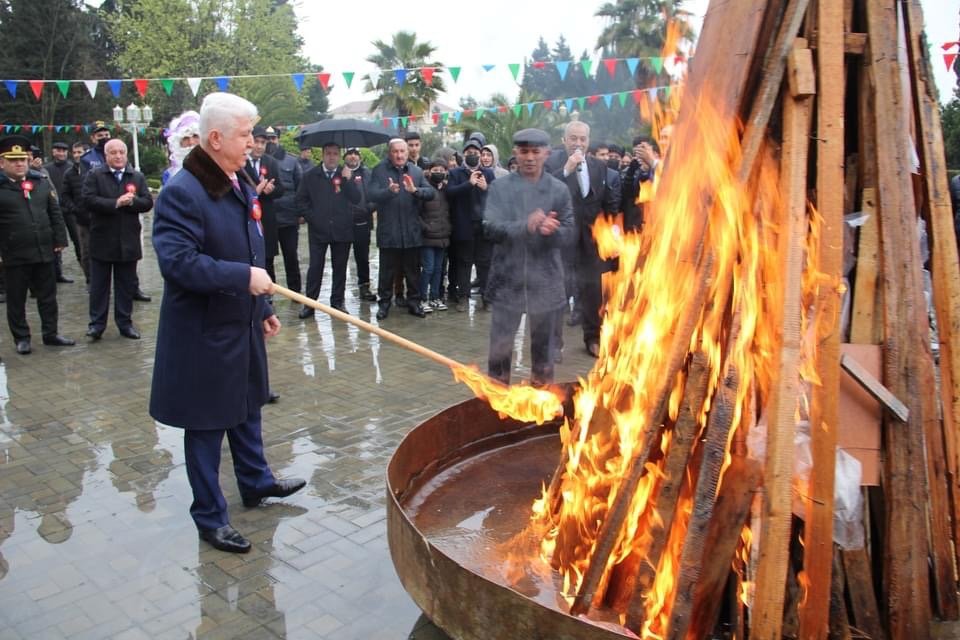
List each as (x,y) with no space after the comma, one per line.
(182,136)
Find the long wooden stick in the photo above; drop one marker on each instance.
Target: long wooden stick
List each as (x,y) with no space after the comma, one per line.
(366,326)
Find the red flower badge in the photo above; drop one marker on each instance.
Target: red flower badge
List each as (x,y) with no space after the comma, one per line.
(336,184)
(263,172)
(256,212)
(27,187)
(131,188)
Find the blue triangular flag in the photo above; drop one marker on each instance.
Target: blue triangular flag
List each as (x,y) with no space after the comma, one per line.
(457,115)
(394,121)
(632,65)
(11,87)
(401,77)
(86,128)
(59,128)
(298,81)
(568,103)
(34,128)
(488,67)
(529,108)
(114,87)
(223,82)
(608,99)
(562,67)
(6,128)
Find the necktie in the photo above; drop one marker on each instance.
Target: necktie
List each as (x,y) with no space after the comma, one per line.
(256,167)
(584,179)
(119,175)
(329,175)
(236,186)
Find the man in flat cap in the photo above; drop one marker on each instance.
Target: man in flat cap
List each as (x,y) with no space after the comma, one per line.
(529,218)
(31,232)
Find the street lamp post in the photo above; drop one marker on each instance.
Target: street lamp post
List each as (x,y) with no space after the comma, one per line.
(135,118)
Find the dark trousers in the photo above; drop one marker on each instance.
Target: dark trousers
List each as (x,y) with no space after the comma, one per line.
(202,451)
(339,253)
(503,329)
(288,237)
(124,276)
(40,278)
(83,247)
(361,253)
(70,221)
(396,263)
(469,253)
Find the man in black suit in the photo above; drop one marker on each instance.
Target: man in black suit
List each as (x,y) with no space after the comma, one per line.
(115,195)
(264,170)
(593,194)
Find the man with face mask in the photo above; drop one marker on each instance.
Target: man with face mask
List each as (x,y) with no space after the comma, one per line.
(467,192)
(95,155)
(435,220)
(288,215)
(362,223)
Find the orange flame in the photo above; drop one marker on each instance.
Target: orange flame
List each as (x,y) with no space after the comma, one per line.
(520,402)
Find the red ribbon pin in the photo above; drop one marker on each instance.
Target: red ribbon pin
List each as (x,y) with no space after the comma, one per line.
(131,188)
(27,187)
(336,184)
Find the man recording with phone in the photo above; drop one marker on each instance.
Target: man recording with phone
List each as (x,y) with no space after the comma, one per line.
(467,193)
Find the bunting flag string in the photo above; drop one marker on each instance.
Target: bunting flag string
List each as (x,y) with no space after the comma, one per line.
(400,76)
(609,101)
(949,58)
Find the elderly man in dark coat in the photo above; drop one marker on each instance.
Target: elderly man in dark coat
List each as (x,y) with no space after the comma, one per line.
(31,232)
(529,218)
(115,195)
(398,188)
(210,369)
(324,198)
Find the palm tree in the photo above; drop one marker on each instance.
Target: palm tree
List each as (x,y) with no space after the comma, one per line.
(637,28)
(416,95)
(498,128)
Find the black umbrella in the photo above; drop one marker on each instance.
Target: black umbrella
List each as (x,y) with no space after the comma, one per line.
(346,132)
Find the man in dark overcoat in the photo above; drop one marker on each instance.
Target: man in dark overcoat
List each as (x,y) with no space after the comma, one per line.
(264,171)
(529,220)
(31,232)
(115,195)
(323,199)
(210,369)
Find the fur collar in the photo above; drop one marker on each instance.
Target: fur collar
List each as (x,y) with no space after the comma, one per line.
(212,178)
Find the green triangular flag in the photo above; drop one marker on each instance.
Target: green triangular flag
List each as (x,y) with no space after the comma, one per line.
(516,110)
(622,97)
(16,128)
(656,64)
(586,65)
(666,91)
(581,102)
(167,84)
(514,69)
(348,77)
(443,117)
(404,120)
(64,86)
(454,72)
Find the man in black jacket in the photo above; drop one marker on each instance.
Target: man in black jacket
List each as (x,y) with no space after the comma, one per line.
(288,217)
(31,232)
(115,195)
(265,173)
(71,204)
(324,198)
(57,170)
(592,194)
(362,223)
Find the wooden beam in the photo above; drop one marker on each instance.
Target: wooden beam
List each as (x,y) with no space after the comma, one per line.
(863,600)
(824,412)
(839,622)
(854,43)
(767,615)
(943,248)
(905,580)
(865,326)
(875,388)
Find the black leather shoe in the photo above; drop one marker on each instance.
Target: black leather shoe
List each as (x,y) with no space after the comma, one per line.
(274,396)
(416,310)
(64,280)
(95,334)
(574,319)
(58,341)
(306,312)
(383,312)
(340,308)
(226,538)
(130,332)
(281,489)
(140,296)
(23,347)
(593,349)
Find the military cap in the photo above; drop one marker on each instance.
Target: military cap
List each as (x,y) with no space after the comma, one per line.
(14,148)
(272,133)
(472,142)
(531,138)
(100,125)
(60,145)
(259,132)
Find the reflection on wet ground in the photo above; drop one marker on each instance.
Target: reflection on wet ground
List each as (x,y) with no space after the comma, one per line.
(95,536)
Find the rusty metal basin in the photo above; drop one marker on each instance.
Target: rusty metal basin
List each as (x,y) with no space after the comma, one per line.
(460,487)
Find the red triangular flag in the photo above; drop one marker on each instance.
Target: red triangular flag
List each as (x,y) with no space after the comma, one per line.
(37,87)
(548,105)
(611,65)
(427,73)
(436,118)
(948,59)
(539,64)
(386,122)
(593,100)
(502,108)
(324,79)
(637,95)
(141,85)
(77,128)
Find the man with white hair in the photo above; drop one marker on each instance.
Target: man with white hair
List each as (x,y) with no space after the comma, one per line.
(115,195)
(210,368)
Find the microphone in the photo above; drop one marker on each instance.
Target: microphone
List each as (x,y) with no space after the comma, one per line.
(579,164)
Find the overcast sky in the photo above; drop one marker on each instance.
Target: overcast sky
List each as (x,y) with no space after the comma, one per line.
(498,32)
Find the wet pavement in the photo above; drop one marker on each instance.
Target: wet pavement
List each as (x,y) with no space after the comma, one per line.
(95,536)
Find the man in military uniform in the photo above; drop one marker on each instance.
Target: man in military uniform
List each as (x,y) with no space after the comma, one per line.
(31,232)
(95,155)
